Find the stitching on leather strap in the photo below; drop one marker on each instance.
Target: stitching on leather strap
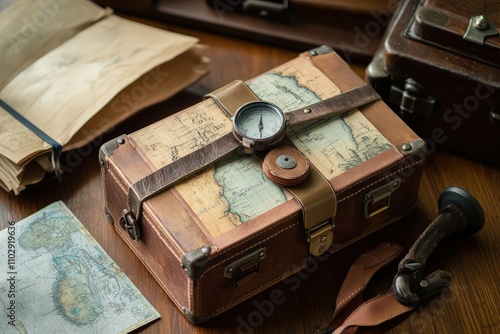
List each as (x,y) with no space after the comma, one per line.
(367,264)
(357,318)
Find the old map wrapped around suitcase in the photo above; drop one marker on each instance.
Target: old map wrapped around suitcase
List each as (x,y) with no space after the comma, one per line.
(227,232)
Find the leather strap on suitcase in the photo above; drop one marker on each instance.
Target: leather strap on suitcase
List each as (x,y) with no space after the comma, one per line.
(315,195)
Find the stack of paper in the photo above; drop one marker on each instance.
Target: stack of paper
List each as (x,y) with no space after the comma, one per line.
(71,71)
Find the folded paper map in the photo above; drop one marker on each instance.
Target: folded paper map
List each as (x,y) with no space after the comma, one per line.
(70,72)
(59,280)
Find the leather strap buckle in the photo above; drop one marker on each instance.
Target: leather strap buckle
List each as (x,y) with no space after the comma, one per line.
(320,238)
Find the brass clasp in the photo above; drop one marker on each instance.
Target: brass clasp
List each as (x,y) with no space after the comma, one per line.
(379,199)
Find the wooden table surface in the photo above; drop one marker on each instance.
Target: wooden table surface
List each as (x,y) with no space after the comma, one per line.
(470,305)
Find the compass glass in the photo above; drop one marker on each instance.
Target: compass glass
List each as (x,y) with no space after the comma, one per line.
(259,121)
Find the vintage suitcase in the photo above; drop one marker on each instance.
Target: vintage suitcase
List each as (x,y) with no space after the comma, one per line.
(439,68)
(353,28)
(218,237)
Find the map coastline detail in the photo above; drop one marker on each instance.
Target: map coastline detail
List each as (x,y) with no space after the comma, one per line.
(66,283)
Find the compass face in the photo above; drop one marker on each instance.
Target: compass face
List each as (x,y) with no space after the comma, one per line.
(259,121)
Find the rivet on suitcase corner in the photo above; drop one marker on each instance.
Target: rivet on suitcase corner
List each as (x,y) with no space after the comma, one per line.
(379,199)
(321,50)
(106,150)
(406,147)
(194,262)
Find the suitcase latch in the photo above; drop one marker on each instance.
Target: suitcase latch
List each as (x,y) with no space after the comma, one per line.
(246,267)
(413,100)
(130,224)
(320,238)
(379,199)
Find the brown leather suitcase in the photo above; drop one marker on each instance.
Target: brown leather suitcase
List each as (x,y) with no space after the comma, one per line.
(221,235)
(439,68)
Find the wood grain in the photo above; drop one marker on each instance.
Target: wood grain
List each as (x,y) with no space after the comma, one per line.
(469,306)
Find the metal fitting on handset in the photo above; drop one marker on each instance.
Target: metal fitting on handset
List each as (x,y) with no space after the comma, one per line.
(459,211)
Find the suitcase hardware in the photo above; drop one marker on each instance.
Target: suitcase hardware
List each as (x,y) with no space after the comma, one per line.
(130,224)
(107,149)
(379,199)
(479,29)
(263,7)
(413,99)
(494,114)
(279,9)
(194,261)
(320,238)
(245,267)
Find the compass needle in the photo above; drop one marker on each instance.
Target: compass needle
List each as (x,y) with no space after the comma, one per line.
(261,125)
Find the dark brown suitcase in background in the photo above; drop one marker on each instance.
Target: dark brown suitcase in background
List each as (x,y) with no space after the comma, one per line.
(227,233)
(439,68)
(353,28)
